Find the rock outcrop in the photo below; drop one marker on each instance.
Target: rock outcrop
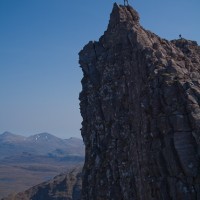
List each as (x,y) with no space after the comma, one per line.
(140,104)
(62,187)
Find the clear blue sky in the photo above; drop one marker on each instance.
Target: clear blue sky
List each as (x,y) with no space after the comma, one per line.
(39,45)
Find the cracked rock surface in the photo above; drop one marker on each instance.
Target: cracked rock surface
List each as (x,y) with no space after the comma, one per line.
(140,104)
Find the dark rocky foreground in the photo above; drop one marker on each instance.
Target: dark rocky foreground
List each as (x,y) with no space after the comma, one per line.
(62,187)
(141,115)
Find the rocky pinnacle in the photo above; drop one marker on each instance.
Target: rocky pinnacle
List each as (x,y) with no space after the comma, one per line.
(140,104)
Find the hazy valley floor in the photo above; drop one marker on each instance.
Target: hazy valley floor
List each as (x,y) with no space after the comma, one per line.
(16,177)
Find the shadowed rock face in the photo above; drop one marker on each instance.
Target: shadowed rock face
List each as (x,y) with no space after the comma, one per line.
(62,187)
(141,116)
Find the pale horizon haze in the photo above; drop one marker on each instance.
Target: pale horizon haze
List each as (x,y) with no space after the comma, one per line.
(39,45)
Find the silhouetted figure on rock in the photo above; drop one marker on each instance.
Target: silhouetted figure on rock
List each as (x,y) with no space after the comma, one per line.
(126,2)
(180,36)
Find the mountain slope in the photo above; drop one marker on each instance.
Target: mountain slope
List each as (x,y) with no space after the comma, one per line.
(140,105)
(10,137)
(62,187)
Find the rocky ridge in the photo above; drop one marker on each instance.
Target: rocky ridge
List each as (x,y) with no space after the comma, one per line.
(62,187)
(140,104)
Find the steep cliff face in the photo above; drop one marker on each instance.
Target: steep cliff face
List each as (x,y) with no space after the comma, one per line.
(62,187)
(141,117)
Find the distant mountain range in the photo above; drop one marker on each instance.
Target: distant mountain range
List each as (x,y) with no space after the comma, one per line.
(43,144)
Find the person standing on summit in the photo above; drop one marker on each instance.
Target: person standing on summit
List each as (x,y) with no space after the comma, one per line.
(126,2)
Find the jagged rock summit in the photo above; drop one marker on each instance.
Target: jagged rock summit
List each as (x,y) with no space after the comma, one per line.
(140,104)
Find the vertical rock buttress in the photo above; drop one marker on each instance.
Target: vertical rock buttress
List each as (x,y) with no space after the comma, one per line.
(141,117)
